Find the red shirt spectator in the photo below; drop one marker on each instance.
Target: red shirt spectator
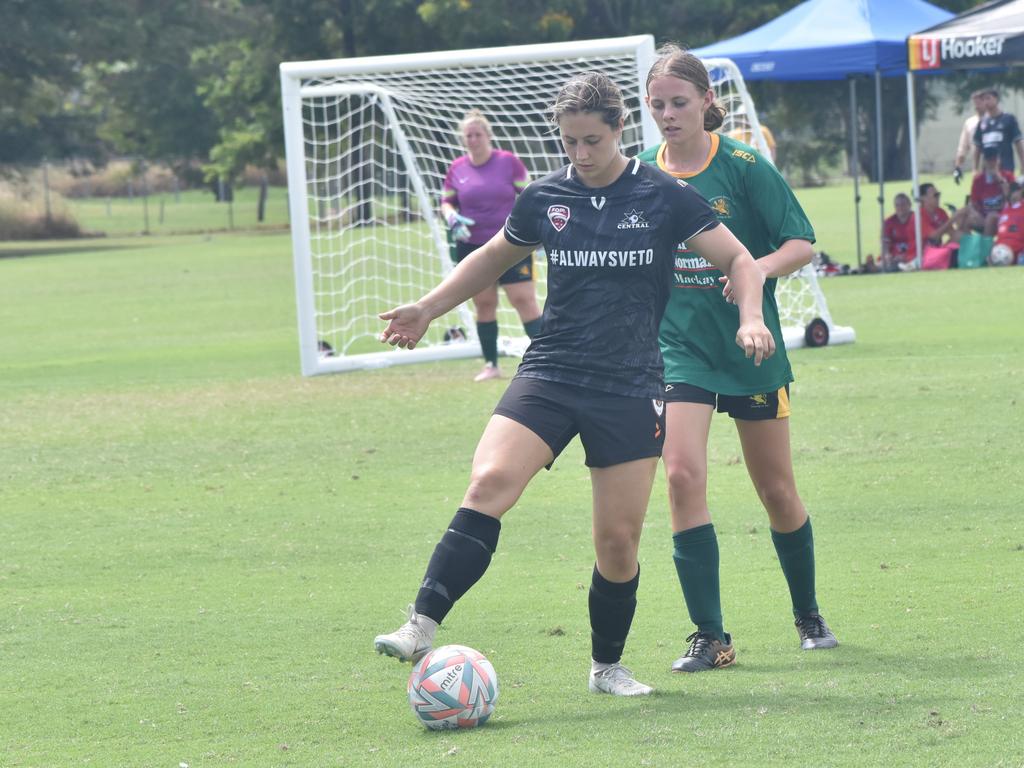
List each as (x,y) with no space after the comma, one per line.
(987,191)
(898,236)
(931,221)
(1011,226)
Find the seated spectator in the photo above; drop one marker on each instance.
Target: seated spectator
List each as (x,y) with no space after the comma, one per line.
(1010,230)
(936,225)
(989,192)
(898,236)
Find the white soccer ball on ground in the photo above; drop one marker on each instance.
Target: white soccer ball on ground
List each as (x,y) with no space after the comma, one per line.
(1002,255)
(453,687)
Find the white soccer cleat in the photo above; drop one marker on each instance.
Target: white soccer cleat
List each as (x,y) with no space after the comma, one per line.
(616,680)
(411,641)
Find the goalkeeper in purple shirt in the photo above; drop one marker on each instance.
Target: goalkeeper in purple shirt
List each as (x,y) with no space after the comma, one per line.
(479,192)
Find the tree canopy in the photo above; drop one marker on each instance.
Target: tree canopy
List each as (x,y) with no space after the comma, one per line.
(185,80)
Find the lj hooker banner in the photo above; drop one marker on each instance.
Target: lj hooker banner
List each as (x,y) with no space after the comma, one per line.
(989,36)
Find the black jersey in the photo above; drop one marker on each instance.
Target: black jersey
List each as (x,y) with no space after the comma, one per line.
(1000,131)
(610,253)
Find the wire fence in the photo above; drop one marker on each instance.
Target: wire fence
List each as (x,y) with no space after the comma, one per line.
(133,198)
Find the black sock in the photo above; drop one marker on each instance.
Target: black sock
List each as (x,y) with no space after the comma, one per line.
(458,562)
(532,327)
(612,605)
(488,335)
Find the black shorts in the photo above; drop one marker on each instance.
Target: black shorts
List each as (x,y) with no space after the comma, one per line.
(761,407)
(520,273)
(613,429)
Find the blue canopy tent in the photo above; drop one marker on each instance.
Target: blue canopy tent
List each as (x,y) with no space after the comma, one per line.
(834,40)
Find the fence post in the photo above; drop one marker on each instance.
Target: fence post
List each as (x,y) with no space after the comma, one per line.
(46,189)
(145,198)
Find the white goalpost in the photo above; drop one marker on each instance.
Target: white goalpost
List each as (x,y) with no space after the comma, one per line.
(368,143)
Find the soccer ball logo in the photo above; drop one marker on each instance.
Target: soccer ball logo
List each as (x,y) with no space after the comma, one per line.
(453,687)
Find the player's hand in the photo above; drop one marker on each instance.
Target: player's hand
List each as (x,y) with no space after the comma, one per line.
(957,174)
(406,326)
(756,341)
(727,292)
(459,225)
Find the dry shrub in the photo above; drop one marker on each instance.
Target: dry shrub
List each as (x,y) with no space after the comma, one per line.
(22,219)
(119,178)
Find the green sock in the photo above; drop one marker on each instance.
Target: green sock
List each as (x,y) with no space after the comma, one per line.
(696,558)
(796,556)
(488,335)
(532,327)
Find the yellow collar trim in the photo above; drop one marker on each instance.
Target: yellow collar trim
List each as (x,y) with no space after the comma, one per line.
(689,174)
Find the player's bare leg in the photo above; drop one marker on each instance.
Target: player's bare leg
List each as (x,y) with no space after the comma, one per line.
(767,453)
(620,494)
(507,457)
(695,543)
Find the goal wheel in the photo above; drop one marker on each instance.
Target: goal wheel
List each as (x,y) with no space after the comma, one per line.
(816,333)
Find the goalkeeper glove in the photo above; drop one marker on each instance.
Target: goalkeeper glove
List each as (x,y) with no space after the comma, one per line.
(957,174)
(459,225)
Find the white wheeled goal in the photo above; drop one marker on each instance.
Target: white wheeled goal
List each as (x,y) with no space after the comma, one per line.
(368,143)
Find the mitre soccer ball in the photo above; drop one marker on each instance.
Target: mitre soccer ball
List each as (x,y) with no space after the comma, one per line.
(453,687)
(1002,255)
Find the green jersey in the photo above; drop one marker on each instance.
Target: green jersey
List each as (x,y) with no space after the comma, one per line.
(698,330)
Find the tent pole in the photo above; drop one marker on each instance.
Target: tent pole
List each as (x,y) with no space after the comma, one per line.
(855,163)
(912,125)
(878,149)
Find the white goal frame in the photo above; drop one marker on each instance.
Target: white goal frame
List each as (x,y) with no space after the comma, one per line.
(305,85)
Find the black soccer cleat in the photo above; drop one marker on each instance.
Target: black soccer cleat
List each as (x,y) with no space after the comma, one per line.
(814,633)
(705,652)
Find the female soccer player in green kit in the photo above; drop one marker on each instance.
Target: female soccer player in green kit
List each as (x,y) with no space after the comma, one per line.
(701,370)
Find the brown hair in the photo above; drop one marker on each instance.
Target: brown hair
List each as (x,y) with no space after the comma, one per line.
(590,92)
(674,61)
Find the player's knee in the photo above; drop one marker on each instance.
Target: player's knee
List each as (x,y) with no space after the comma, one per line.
(491,486)
(685,479)
(778,496)
(617,546)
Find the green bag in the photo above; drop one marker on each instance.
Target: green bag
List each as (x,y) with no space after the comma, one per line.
(974,250)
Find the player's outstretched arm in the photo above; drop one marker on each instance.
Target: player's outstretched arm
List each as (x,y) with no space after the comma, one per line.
(407,323)
(720,247)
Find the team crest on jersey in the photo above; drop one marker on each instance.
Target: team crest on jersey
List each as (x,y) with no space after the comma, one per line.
(634,219)
(558,215)
(721,206)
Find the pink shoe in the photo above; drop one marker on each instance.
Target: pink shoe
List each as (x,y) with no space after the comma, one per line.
(490,371)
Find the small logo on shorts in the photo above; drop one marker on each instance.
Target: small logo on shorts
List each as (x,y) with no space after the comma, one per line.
(761,400)
(659,405)
(559,215)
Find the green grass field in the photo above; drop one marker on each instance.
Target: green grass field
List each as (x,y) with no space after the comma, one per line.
(197,545)
(189,212)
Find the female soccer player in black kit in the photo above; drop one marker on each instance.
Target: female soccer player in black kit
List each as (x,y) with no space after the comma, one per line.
(609,227)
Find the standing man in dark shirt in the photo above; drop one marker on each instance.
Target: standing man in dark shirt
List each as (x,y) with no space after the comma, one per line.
(609,227)
(998,129)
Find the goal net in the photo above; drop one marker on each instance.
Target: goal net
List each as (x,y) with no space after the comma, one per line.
(369,141)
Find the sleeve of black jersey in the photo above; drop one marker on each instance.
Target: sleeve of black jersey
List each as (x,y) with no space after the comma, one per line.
(522,227)
(691,213)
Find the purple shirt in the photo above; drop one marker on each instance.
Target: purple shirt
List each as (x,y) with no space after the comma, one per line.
(485,193)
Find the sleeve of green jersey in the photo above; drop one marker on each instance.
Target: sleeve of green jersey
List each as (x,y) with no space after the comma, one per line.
(781,213)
